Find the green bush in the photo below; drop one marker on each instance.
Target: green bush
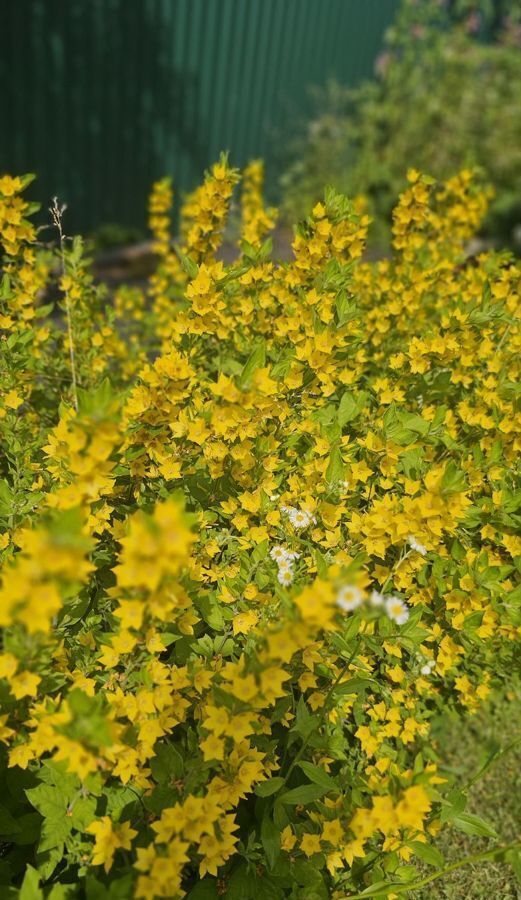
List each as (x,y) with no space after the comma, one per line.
(447,95)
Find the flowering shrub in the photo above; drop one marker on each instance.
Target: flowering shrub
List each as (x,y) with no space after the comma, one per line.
(259,527)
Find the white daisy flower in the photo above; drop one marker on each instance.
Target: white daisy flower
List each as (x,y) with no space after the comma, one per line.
(285,576)
(425,670)
(299,518)
(397,610)
(278,553)
(376,599)
(416,545)
(349,597)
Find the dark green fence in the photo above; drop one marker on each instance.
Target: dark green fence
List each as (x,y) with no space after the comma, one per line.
(100,97)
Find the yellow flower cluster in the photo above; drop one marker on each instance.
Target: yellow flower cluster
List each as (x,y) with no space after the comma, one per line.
(257,221)
(15,229)
(51,561)
(255,535)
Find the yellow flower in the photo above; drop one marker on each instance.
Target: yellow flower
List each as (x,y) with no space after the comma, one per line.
(8,665)
(310,844)
(155,546)
(316,604)
(288,839)
(244,622)
(212,747)
(21,755)
(413,808)
(25,684)
(108,839)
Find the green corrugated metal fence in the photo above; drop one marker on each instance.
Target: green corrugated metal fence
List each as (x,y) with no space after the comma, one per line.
(100,97)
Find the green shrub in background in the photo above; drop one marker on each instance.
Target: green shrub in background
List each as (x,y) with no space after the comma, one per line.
(447,95)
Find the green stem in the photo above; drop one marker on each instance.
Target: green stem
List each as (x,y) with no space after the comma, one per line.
(403,888)
(389,578)
(490,762)
(90,604)
(338,678)
(226,635)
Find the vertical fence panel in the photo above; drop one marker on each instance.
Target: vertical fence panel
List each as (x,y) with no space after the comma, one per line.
(100,97)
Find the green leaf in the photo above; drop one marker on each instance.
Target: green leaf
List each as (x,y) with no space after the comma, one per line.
(210,610)
(118,798)
(453,481)
(97,403)
(27,179)
(8,824)
(167,763)
(415,423)
(347,409)
(270,837)
(48,859)
(6,498)
(230,366)
(89,722)
(496,753)
(265,250)
(51,802)
(382,889)
(54,833)
(305,723)
(83,812)
(309,876)
(321,564)
(306,793)
(30,889)
(281,368)
(260,552)
(471,824)
(267,788)
(318,776)
(345,308)
(351,627)
(454,804)
(256,360)
(56,774)
(119,889)
(335,470)
(355,686)
(204,890)
(326,415)
(189,266)
(514,858)
(5,287)
(62,892)
(29,825)
(428,853)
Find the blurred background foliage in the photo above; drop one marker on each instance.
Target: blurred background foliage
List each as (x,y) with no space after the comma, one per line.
(446,95)
(103,97)
(482,751)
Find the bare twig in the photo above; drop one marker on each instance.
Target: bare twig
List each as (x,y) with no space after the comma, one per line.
(57,215)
